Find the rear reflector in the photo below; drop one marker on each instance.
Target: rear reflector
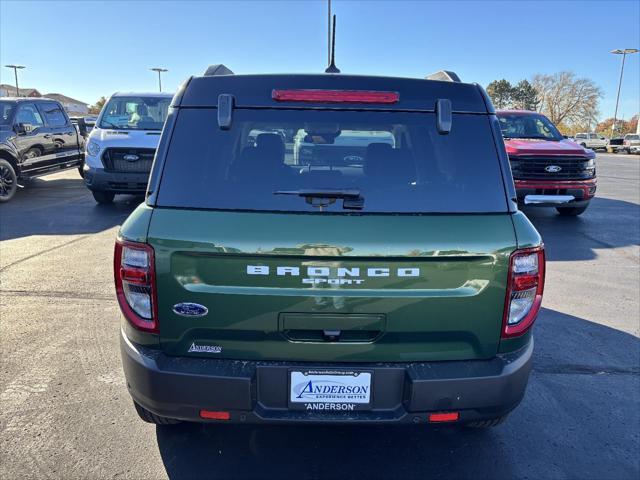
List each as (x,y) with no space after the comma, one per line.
(335,96)
(210,415)
(444,417)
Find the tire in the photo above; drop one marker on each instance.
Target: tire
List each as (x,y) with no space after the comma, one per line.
(492,422)
(8,181)
(571,211)
(103,198)
(149,417)
(81,170)
(33,153)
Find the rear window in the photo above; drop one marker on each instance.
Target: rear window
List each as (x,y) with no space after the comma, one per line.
(286,160)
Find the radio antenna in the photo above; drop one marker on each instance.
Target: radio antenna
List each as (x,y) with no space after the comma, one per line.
(332,66)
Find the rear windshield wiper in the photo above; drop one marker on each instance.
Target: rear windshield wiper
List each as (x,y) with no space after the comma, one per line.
(322,198)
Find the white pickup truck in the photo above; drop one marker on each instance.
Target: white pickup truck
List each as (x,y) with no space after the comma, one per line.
(121,147)
(593,141)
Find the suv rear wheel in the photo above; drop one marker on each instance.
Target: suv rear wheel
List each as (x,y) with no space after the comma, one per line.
(8,181)
(149,417)
(571,211)
(103,197)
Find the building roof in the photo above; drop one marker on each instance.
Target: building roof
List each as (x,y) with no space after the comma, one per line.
(11,90)
(64,99)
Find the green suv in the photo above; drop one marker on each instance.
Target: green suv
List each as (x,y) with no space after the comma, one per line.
(383,275)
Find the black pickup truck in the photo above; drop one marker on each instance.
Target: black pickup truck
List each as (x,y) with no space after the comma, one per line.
(36,138)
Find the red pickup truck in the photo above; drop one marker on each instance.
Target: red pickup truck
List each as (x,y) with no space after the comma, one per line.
(548,170)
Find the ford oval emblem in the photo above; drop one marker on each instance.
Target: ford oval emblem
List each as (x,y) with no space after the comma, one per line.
(131,158)
(190,309)
(552,169)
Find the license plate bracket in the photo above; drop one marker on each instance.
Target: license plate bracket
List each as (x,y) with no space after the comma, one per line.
(330,390)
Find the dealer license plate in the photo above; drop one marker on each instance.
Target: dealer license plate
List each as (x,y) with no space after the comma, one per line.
(331,391)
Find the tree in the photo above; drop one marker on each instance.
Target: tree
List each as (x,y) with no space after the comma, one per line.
(501,93)
(622,127)
(524,96)
(95,109)
(567,100)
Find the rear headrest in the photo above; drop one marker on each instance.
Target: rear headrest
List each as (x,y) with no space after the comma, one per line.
(271,142)
(376,149)
(376,157)
(388,165)
(141,109)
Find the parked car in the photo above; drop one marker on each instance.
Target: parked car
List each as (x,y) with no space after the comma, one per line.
(36,138)
(631,143)
(121,146)
(401,289)
(593,141)
(88,123)
(615,145)
(548,170)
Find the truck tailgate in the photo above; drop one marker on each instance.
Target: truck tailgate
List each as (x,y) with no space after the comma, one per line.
(344,288)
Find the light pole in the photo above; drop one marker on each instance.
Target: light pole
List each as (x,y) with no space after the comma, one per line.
(160,71)
(15,72)
(329,32)
(624,53)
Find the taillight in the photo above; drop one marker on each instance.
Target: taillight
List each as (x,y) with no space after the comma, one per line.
(134,272)
(524,291)
(335,96)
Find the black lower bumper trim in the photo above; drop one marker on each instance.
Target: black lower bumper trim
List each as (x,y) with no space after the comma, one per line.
(98,179)
(256,392)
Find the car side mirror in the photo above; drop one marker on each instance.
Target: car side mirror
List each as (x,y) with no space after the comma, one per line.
(23,128)
(82,127)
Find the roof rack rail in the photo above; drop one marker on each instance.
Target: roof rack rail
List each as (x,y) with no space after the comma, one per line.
(217,69)
(444,76)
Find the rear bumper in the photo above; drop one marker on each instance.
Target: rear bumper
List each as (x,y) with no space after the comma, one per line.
(97,179)
(582,191)
(257,392)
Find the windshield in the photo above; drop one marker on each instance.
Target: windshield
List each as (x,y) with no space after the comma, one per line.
(135,113)
(528,126)
(6,112)
(332,161)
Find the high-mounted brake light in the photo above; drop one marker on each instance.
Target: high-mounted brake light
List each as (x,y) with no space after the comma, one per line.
(133,265)
(335,96)
(525,286)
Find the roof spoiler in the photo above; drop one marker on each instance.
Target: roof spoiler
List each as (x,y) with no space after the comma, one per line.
(217,69)
(444,76)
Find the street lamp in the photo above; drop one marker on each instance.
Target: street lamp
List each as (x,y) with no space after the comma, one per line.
(15,72)
(160,71)
(624,53)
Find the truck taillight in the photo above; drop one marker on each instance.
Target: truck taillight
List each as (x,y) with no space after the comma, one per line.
(134,273)
(524,291)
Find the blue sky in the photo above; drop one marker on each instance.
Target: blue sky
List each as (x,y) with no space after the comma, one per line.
(89,49)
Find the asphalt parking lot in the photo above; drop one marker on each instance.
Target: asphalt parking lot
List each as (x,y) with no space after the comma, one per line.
(65,411)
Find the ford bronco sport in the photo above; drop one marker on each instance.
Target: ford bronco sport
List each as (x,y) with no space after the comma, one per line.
(391,282)
(548,170)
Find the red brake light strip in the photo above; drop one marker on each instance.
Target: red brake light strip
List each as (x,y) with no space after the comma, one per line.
(335,96)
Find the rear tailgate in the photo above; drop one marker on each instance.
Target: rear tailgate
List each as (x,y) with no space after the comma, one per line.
(312,287)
